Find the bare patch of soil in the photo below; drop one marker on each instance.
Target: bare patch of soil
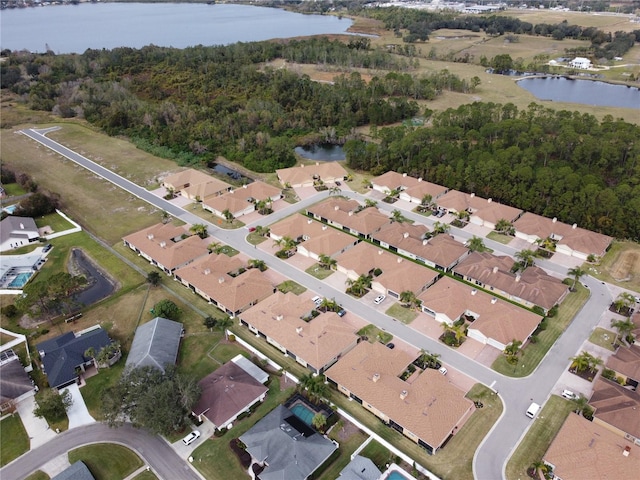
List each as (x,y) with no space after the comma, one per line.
(625,266)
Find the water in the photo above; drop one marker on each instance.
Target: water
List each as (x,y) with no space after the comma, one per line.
(303,413)
(585,92)
(10,209)
(99,286)
(20,280)
(75,28)
(324,152)
(395,475)
(221,169)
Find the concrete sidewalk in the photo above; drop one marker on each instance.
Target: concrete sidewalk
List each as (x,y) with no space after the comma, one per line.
(37,428)
(78,413)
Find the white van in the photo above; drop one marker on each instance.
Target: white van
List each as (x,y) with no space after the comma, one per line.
(533,409)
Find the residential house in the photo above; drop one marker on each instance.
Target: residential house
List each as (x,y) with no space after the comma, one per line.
(15,384)
(166,246)
(155,344)
(16,232)
(360,468)
(580,63)
(227,392)
(410,189)
(194,184)
(441,251)
(616,409)
(483,212)
(427,408)
(77,471)
(493,321)
(307,175)
(397,274)
(583,449)
(242,201)
(286,446)
(225,282)
(315,238)
(286,321)
(570,240)
(64,357)
(626,363)
(532,287)
(349,215)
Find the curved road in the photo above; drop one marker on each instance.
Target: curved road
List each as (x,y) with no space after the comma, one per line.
(165,463)
(492,455)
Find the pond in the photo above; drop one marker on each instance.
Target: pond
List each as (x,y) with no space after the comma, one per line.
(99,285)
(585,92)
(234,174)
(323,152)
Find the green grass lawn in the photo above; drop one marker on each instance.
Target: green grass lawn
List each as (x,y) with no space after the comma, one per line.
(229,251)
(13,189)
(319,272)
(38,475)
(539,437)
(59,423)
(291,286)
(55,221)
(378,454)
(374,334)
(622,261)
(192,356)
(603,338)
(224,352)
(13,439)
(254,239)
(107,461)
(347,447)
(499,237)
(93,391)
(405,315)
(533,353)
(145,476)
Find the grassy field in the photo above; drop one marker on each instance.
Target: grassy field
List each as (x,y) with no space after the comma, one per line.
(607,23)
(38,475)
(13,439)
(378,454)
(107,461)
(539,437)
(13,189)
(55,221)
(405,315)
(145,476)
(533,353)
(291,286)
(93,391)
(347,447)
(499,237)
(603,338)
(319,272)
(620,266)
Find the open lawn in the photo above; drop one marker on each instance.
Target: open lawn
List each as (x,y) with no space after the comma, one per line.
(13,439)
(533,353)
(107,461)
(318,271)
(254,239)
(537,440)
(38,475)
(193,355)
(620,266)
(605,22)
(405,315)
(93,391)
(13,189)
(378,454)
(347,447)
(499,237)
(55,221)
(291,286)
(96,204)
(145,476)
(60,423)
(603,338)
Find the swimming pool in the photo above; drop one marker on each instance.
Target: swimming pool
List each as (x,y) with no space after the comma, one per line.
(10,209)
(395,475)
(303,413)
(20,280)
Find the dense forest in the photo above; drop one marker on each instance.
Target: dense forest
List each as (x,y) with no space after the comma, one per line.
(195,104)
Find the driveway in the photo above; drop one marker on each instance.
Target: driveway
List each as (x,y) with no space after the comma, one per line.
(78,413)
(37,428)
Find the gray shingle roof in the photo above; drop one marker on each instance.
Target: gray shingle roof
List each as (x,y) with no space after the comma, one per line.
(77,471)
(155,344)
(360,468)
(14,381)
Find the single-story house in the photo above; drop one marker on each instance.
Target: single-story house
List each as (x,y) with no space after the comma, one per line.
(397,274)
(441,251)
(626,363)
(494,321)
(16,232)
(532,287)
(15,384)
(411,189)
(226,282)
(583,449)
(226,393)
(155,344)
(429,410)
(306,175)
(242,201)
(166,246)
(315,238)
(286,321)
(77,471)
(349,215)
(360,468)
(64,356)
(570,239)
(616,409)
(286,446)
(482,212)
(194,184)
(580,63)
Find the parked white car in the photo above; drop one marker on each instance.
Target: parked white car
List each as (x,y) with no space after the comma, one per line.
(569,394)
(379,299)
(443,370)
(192,437)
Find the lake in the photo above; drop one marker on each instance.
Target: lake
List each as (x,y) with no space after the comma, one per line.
(326,152)
(75,28)
(585,92)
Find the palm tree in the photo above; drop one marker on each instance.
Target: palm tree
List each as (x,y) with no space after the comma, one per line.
(539,467)
(228,215)
(476,244)
(91,353)
(259,264)
(624,328)
(285,243)
(313,385)
(366,183)
(439,227)
(261,206)
(512,351)
(370,203)
(328,305)
(319,421)
(585,361)
(327,262)
(526,258)
(165,217)
(199,229)
(504,226)
(262,231)
(429,360)
(426,200)
(396,216)
(223,324)
(335,190)
(408,298)
(576,273)
(580,403)
(457,330)
(214,247)
(624,300)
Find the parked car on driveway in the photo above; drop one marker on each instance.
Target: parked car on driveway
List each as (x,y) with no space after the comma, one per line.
(192,437)
(569,394)
(443,370)
(379,299)
(391,346)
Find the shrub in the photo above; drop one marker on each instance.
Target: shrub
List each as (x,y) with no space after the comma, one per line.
(9,310)
(608,374)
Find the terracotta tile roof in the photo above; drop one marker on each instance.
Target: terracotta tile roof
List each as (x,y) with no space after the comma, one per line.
(327,171)
(398,274)
(616,406)
(415,187)
(442,249)
(343,212)
(432,406)
(238,199)
(578,239)
(226,392)
(495,318)
(193,182)
(585,450)
(318,237)
(211,275)
(317,342)
(533,285)
(164,243)
(626,361)
(486,209)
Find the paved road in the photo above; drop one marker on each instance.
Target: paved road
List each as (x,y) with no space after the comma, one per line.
(490,459)
(154,451)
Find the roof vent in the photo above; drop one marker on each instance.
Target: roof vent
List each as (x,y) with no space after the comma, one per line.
(425,241)
(405,235)
(350,213)
(472,195)
(207,271)
(163,244)
(555,219)
(376,377)
(221,280)
(420,179)
(404,175)
(626,451)
(574,226)
(244,186)
(279,317)
(403,394)
(399,259)
(298,330)
(22,226)
(380,252)
(302,166)
(309,221)
(336,207)
(473,291)
(495,269)
(317,163)
(150,236)
(494,300)
(489,200)
(324,227)
(518,277)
